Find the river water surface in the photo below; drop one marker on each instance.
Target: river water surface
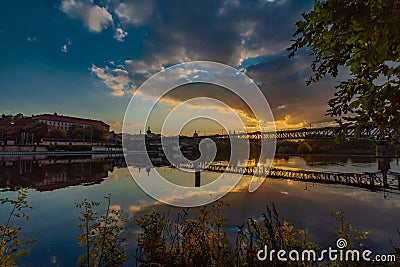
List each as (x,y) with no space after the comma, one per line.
(56,183)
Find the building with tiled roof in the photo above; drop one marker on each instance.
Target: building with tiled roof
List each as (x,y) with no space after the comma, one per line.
(64,122)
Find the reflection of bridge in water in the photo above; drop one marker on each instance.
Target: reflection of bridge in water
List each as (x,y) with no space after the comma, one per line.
(369,180)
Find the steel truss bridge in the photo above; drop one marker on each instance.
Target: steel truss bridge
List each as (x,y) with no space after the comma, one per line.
(305,133)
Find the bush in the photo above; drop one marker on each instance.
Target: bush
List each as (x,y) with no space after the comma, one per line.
(201,241)
(101,236)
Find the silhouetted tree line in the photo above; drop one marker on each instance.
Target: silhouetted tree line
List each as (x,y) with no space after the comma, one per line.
(24,130)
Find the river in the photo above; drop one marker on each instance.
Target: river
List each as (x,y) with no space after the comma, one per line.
(57,182)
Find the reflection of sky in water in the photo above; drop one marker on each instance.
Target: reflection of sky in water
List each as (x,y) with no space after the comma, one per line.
(357,164)
(54,218)
(309,205)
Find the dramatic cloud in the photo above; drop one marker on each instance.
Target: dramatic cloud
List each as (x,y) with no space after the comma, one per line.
(134,13)
(116,79)
(229,32)
(120,34)
(96,18)
(115,125)
(249,35)
(292,101)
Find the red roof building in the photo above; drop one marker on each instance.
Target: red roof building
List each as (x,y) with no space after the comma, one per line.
(64,122)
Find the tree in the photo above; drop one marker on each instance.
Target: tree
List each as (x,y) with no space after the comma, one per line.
(77,133)
(38,130)
(362,36)
(304,148)
(98,133)
(90,133)
(56,133)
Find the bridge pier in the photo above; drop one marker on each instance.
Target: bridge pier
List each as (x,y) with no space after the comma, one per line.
(383,157)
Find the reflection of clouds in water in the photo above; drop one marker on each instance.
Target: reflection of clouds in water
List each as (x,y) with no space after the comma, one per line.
(133,209)
(137,172)
(194,196)
(115,207)
(367,196)
(356,193)
(330,163)
(304,208)
(311,209)
(186,179)
(114,175)
(118,173)
(143,205)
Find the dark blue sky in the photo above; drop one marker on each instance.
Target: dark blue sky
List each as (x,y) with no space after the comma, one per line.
(84,58)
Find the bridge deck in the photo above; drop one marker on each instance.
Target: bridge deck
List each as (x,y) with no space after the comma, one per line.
(367,133)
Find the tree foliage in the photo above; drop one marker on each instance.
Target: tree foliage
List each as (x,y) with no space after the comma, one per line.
(202,241)
(56,133)
(304,148)
(88,133)
(101,236)
(12,242)
(363,36)
(22,130)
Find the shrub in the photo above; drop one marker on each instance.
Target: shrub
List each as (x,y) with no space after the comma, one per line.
(101,236)
(201,241)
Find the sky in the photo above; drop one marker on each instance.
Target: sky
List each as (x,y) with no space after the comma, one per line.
(87,58)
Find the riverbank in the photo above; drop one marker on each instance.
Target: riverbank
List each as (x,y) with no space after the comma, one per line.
(41,149)
(330,147)
(57,153)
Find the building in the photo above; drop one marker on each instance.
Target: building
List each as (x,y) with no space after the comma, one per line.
(64,122)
